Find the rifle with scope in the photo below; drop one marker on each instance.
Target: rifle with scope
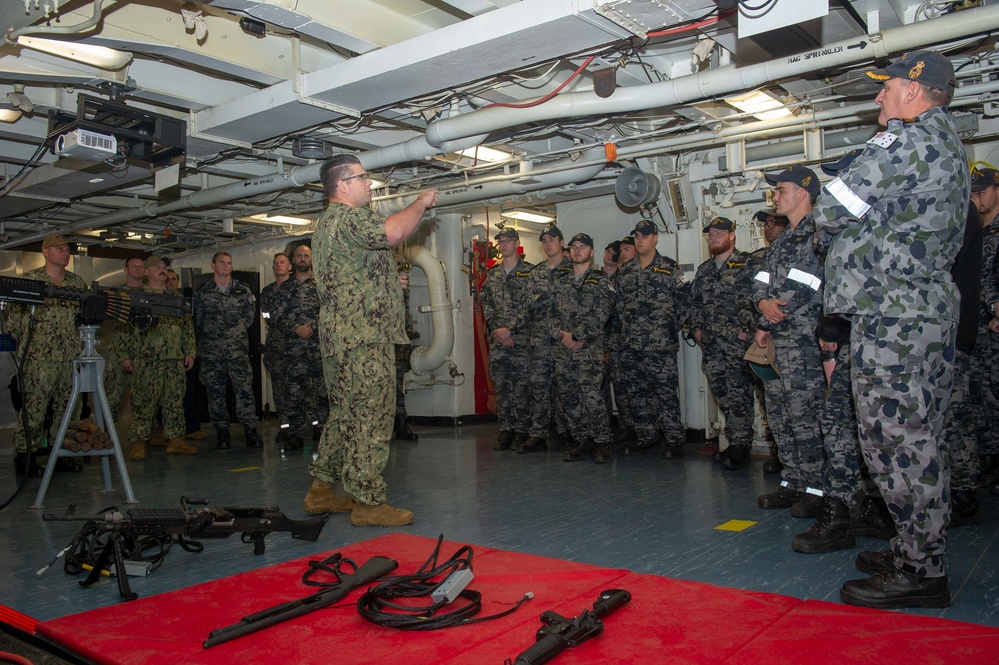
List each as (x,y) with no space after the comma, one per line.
(560,632)
(98,303)
(184,526)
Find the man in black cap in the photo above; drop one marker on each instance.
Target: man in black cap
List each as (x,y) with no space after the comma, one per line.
(897,216)
(584,299)
(541,356)
(985,365)
(626,252)
(503,303)
(649,298)
(787,291)
(721,318)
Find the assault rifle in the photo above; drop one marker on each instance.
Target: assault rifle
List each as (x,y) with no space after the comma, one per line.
(185,526)
(559,632)
(98,303)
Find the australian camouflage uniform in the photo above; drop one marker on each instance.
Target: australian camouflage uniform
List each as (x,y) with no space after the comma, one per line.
(272,302)
(720,308)
(503,298)
(545,408)
(583,304)
(792,271)
(221,320)
(157,353)
(306,390)
(899,221)
(838,424)
(48,366)
(648,303)
(985,366)
(361,319)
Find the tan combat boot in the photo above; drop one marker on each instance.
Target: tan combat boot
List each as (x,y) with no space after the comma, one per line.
(138,451)
(322,498)
(177,446)
(381,514)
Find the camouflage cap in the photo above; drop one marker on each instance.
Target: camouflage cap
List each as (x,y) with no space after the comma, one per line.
(983,179)
(552,231)
(721,223)
(646,228)
(799,175)
(507,233)
(583,238)
(841,164)
(54,241)
(926,67)
(153,260)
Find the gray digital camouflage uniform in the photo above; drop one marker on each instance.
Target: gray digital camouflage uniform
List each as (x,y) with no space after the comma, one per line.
(504,299)
(541,355)
(157,353)
(221,320)
(985,365)
(648,304)
(272,302)
(583,305)
(792,271)
(48,367)
(898,213)
(361,319)
(720,308)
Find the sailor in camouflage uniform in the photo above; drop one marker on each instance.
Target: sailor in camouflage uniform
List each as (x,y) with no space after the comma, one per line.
(721,317)
(898,215)
(272,304)
(503,304)
(788,294)
(304,369)
(158,355)
(361,319)
(116,380)
(55,343)
(985,364)
(614,377)
(546,410)
(648,302)
(223,313)
(584,300)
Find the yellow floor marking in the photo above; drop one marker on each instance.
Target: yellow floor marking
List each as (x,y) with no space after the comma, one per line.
(735,525)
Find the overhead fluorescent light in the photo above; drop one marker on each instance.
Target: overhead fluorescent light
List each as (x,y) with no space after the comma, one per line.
(98,56)
(527,216)
(278,220)
(9,115)
(484,154)
(759,103)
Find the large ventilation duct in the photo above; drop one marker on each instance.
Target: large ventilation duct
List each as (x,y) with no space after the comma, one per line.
(425,359)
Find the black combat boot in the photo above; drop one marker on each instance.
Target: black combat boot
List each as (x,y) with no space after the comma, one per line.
(831,530)
(252,438)
(402,431)
(809,507)
(872,563)
(282,436)
(503,441)
(736,457)
(964,508)
(295,442)
(673,451)
(534,444)
(874,520)
(895,589)
(782,498)
(603,454)
(583,451)
(772,466)
(222,439)
(639,447)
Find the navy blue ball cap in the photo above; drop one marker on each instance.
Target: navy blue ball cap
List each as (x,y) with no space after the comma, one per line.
(926,67)
(722,223)
(583,238)
(982,179)
(841,164)
(646,228)
(628,240)
(552,231)
(507,233)
(799,175)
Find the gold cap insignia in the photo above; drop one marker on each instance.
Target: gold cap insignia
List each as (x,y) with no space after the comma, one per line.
(916,71)
(806,181)
(878,77)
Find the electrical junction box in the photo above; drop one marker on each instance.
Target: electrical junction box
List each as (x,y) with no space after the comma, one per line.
(85,144)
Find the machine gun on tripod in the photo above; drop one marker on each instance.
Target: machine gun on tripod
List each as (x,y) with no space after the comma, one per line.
(121,533)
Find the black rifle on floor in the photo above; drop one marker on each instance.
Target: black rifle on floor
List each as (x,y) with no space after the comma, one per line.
(559,632)
(375,567)
(183,525)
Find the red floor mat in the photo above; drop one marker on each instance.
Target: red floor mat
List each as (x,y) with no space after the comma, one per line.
(666,621)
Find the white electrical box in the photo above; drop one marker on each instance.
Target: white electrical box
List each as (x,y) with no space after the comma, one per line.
(84,144)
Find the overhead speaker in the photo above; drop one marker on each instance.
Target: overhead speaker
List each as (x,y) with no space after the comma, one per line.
(635,187)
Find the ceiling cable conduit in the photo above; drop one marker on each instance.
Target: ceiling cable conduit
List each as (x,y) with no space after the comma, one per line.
(715,83)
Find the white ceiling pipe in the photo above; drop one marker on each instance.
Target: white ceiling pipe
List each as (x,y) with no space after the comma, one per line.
(721,81)
(425,359)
